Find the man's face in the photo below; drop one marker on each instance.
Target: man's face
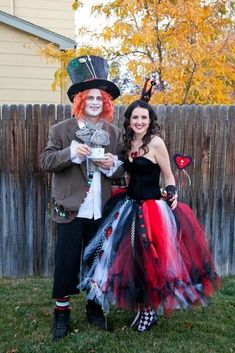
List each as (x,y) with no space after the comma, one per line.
(94,104)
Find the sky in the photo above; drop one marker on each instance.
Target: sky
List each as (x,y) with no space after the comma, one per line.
(95,24)
(83,18)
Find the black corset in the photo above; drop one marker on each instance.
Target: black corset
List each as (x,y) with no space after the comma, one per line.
(144,179)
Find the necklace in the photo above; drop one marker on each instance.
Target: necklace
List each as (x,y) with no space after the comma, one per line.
(134,155)
(136,146)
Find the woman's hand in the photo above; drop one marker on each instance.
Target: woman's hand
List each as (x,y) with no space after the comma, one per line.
(173,201)
(170,195)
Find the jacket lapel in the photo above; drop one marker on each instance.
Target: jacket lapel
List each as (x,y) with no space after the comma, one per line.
(73,128)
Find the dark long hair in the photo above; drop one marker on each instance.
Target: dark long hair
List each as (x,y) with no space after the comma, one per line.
(154,128)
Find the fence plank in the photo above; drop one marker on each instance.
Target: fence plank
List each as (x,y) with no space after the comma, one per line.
(27,236)
(1,199)
(229,190)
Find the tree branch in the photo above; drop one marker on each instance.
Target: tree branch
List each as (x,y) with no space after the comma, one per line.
(160,53)
(189,83)
(129,53)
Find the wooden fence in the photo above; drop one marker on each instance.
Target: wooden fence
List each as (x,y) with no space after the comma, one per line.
(27,236)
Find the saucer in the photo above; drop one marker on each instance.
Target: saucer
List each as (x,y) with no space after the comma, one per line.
(97,158)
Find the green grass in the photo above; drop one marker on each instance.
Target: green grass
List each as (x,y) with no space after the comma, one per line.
(26,316)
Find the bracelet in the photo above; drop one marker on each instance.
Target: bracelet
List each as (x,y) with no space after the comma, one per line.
(171,191)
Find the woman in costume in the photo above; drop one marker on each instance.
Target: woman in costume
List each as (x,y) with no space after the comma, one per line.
(150,253)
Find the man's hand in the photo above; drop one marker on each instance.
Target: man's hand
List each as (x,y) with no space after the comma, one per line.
(83,150)
(105,163)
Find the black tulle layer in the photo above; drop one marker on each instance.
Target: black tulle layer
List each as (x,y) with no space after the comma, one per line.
(145,254)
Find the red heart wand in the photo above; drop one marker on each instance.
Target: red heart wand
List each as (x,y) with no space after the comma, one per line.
(182,162)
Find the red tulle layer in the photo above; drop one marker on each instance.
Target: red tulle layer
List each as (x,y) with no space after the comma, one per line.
(165,260)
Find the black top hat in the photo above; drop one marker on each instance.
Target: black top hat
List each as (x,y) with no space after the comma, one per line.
(87,72)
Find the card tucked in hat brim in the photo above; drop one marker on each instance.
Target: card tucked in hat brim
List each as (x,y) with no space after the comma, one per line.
(101,84)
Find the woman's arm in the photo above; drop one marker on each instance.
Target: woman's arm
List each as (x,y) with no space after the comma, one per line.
(162,158)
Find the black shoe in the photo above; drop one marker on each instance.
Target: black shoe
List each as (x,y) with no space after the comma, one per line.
(144,320)
(60,324)
(95,316)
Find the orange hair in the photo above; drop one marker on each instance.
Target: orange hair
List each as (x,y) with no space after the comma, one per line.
(79,102)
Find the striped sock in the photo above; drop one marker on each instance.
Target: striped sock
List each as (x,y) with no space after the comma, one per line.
(62,304)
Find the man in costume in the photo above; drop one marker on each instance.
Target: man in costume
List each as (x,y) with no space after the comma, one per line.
(82,155)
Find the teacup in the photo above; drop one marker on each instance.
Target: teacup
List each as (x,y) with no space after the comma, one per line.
(97,152)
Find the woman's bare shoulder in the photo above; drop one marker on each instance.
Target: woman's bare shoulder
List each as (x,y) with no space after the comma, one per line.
(157,141)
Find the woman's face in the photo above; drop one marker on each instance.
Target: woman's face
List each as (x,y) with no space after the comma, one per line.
(140,120)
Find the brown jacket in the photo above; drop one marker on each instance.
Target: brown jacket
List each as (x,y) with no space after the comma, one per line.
(69,179)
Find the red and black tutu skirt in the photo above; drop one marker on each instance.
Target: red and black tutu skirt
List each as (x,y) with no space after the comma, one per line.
(144,254)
